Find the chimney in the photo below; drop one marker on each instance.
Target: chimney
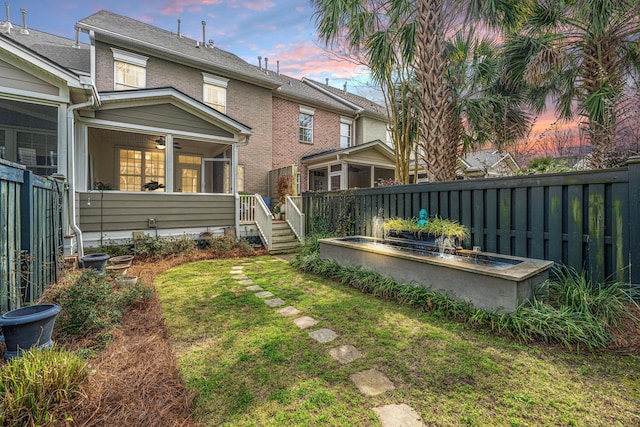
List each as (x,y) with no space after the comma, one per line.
(77,37)
(266,61)
(204,24)
(24,22)
(278,67)
(259,62)
(179,27)
(326,81)
(345,87)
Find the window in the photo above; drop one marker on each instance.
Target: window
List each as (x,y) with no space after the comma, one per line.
(130,70)
(345,132)
(215,92)
(306,125)
(141,170)
(240,178)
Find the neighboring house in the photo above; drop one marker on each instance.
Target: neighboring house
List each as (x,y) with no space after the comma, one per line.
(486,164)
(159,133)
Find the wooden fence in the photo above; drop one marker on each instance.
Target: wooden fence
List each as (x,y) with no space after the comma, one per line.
(584,220)
(30,234)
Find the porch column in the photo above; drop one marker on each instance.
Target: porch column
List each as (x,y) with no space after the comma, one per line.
(168,164)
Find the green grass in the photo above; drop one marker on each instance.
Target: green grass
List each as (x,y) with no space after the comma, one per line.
(250,366)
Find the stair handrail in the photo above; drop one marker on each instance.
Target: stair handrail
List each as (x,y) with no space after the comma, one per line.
(264,222)
(295,217)
(247,208)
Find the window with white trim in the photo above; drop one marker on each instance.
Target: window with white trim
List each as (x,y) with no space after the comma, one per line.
(141,170)
(215,92)
(130,70)
(306,125)
(345,132)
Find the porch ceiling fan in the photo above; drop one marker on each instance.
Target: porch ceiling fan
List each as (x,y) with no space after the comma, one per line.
(161,144)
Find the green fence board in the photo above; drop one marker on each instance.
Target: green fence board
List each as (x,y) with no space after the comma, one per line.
(536,204)
(520,222)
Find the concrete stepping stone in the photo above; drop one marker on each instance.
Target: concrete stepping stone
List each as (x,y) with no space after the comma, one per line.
(237,267)
(289,311)
(254,288)
(323,335)
(240,277)
(245,282)
(372,382)
(236,272)
(305,322)
(276,302)
(401,415)
(265,294)
(261,262)
(345,353)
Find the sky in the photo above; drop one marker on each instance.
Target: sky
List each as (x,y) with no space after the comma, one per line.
(280,30)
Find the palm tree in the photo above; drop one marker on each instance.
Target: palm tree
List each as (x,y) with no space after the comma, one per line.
(583,54)
(400,35)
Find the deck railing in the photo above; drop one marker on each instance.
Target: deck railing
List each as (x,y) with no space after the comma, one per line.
(247,208)
(295,217)
(263,219)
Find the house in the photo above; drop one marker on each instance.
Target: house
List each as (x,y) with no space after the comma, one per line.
(158,133)
(489,163)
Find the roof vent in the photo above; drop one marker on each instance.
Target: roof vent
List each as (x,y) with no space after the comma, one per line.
(278,67)
(179,27)
(259,62)
(24,30)
(77,44)
(344,88)
(210,43)
(6,26)
(204,24)
(326,81)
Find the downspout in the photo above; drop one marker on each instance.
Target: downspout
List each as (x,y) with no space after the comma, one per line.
(71,171)
(235,182)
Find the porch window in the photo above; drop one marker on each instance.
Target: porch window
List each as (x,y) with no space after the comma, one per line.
(141,170)
(345,132)
(215,92)
(29,135)
(318,180)
(130,70)
(306,125)
(240,178)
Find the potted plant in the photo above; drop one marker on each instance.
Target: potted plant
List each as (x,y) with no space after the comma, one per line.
(28,326)
(277,211)
(450,232)
(283,186)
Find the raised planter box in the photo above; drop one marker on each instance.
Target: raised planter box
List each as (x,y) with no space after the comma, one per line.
(491,282)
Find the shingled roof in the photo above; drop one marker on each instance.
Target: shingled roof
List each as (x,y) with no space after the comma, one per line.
(59,50)
(340,94)
(129,32)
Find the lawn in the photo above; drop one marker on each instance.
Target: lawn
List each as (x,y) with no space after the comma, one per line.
(251,366)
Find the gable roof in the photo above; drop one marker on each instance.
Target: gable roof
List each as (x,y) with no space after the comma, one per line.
(129,32)
(291,88)
(55,49)
(486,159)
(335,153)
(349,98)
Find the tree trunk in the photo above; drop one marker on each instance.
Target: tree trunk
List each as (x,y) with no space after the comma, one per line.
(436,109)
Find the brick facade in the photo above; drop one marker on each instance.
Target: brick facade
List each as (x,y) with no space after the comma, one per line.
(287,149)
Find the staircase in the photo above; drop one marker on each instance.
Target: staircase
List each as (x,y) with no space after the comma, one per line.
(283,238)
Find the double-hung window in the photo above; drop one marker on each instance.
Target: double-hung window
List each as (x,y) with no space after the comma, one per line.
(141,170)
(306,125)
(345,132)
(130,70)
(215,92)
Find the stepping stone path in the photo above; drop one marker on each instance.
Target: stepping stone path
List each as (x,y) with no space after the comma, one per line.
(305,322)
(276,302)
(370,382)
(288,311)
(323,335)
(398,416)
(345,353)
(264,294)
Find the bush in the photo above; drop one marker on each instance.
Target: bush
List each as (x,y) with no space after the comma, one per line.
(31,384)
(156,247)
(92,304)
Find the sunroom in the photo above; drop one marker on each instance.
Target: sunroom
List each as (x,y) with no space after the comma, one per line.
(158,162)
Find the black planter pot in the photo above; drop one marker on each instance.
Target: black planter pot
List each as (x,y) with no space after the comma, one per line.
(27,327)
(95,261)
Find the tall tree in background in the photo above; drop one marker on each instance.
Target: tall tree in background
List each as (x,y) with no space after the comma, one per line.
(583,54)
(404,37)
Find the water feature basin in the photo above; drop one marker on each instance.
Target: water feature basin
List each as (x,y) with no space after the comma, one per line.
(490,281)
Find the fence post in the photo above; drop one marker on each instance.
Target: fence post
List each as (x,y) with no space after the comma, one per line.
(634,224)
(26,230)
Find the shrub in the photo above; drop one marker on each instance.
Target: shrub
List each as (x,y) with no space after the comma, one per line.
(92,304)
(156,247)
(435,227)
(31,384)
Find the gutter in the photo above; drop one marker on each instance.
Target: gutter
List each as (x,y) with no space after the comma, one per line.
(340,99)
(71,172)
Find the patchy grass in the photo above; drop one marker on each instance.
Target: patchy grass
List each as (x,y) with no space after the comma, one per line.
(249,366)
